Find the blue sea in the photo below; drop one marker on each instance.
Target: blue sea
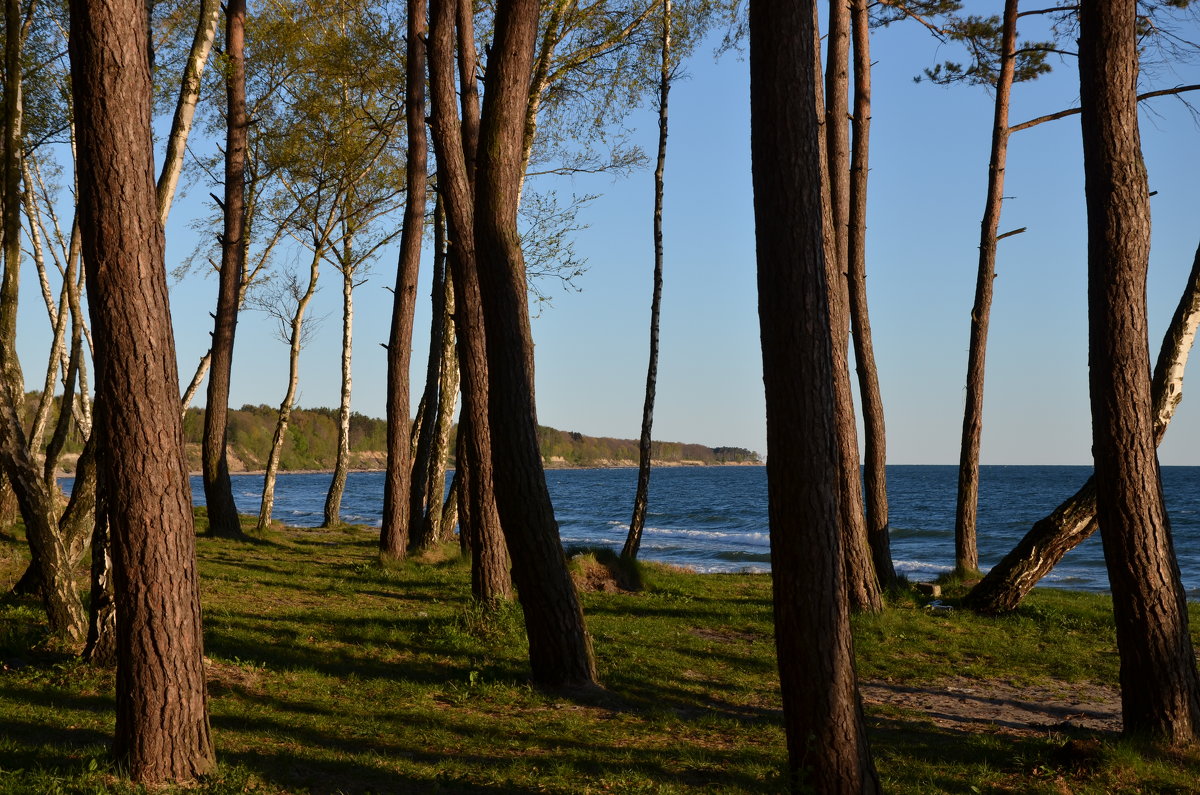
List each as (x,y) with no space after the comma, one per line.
(714,519)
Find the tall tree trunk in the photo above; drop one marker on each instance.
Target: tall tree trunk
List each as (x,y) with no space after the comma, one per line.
(295,343)
(1074,520)
(966,550)
(479,519)
(862,582)
(421,498)
(101,646)
(433,524)
(394,532)
(1160,689)
(185,106)
(218,491)
(560,649)
(642,495)
(874,435)
(341,465)
(826,737)
(162,729)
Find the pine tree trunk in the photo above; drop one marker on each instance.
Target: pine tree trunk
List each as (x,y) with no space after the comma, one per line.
(862,582)
(874,435)
(162,729)
(218,491)
(422,497)
(966,550)
(642,494)
(1072,522)
(397,525)
(479,520)
(826,737)
(341,466)
(560,649)
(1160,688)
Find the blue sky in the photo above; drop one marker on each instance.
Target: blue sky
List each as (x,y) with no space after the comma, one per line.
(929,160)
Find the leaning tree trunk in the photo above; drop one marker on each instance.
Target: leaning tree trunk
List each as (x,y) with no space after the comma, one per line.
(218,491)
(1073,521)
(642,495)
(1160,688)
(397,488)
(162,729)
(874,436)
(826,736)
(421,497)
(479,520)
(862,583)
(560,649)
(966,551)
(341,466)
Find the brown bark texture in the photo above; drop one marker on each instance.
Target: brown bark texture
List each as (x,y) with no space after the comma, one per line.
(826,738)
(874,435)
(1160,689)
(479,520)
(1074,520)
(642,494)
(421,494)
(162,729)
(560,649)
(394,532)
(966,550)
(862,583)
(218,491)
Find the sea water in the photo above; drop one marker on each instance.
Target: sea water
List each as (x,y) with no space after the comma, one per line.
(714,519)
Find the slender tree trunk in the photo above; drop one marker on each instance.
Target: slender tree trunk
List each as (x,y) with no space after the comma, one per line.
(862,582)
(966,551)
(479,520)
(560,649)
(422,499)
(826,737)
(341,466)
(642,495)
(295,343)
(1074,520)
(433,525)
(394,533)
(1160,689)
(101,647)
(197,379)
(162,730)
(218,491)
(185,106)
(874,435)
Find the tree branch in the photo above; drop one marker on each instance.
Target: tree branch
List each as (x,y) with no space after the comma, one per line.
(1163,92)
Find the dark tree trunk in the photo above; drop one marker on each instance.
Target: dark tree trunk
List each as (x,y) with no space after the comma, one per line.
(826,738)
(394,533)
(422,497)
(218,492)
(642,495)
(1160,689)
(966,551)
(479,520)
(862,583)
(1074,520)
(874,436)
(162,730)
(560,649)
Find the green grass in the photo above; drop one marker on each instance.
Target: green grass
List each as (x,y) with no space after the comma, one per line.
(332,674)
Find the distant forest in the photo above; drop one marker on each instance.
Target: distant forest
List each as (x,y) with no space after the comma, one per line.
(312,443)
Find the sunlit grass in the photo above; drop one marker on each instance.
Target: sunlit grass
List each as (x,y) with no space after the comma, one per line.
(330,673)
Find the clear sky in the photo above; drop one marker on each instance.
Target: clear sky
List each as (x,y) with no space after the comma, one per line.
(928,173)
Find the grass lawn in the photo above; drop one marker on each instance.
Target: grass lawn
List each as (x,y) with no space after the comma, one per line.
(330,674)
